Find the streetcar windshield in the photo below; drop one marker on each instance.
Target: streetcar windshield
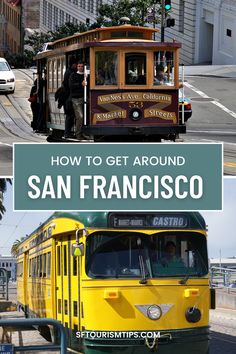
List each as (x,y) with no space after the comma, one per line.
(112,254)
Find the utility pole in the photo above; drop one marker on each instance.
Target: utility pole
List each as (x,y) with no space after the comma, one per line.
(163,17)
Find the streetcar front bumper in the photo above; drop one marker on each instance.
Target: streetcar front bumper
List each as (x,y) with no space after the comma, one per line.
(182,341)
(135,130)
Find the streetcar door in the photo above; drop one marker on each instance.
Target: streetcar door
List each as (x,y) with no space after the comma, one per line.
(63,290)
(26,274)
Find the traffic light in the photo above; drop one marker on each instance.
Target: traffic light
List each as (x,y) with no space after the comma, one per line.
(167,5)
(170,22)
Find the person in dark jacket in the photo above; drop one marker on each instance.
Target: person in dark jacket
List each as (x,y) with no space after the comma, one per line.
(76,85)
(68,107)
(34,105)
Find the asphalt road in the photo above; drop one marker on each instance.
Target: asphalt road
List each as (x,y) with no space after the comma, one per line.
(214,115)
(221,343)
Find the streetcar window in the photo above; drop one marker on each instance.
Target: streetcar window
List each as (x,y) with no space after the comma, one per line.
(106,68)
(44,265)
(40,266)
(135,69)
(74,265)
(33,267)
(66,307)
(75,308)
(135,255)
(19,272)
(163,68)
(50,75)
(30,267)
(55,74)
(58,260)
(48,264)
(65,259)
(117,255)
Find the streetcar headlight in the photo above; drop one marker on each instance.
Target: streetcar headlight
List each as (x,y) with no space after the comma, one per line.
(193,314)
(154,312)
(135,114)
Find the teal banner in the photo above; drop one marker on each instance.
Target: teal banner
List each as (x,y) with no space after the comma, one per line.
(96,176)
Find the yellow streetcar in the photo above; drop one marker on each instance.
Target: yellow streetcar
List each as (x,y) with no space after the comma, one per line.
(120,282)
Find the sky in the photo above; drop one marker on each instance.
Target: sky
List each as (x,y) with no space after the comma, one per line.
(221,225)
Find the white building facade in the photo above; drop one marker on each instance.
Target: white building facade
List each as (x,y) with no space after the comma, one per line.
(206,29)
(54,13)
(9,263)
(216,32)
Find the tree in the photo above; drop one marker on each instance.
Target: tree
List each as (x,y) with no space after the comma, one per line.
(36,40)
(15,246)
(136,10)
(66,30)
(3,188)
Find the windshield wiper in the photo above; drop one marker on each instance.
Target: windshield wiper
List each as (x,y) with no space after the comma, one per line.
(142,269)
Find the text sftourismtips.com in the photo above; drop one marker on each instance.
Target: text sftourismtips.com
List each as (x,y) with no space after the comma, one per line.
(117,335)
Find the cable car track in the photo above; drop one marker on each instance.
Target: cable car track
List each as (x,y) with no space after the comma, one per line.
(14,120)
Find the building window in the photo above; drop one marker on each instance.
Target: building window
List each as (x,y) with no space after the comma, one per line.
(67,18)
(228,33)
(45,11)
(61,18)
(55,20)
(90,5)
(83,4)
(181,16)
(50,25)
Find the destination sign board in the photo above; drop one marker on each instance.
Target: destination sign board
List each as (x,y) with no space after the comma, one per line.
(148,220)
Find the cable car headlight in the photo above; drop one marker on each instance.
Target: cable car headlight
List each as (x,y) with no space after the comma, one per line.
(135,114)
(154,312)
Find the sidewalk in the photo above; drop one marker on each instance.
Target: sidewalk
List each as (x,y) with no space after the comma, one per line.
(227,71)
(223,321)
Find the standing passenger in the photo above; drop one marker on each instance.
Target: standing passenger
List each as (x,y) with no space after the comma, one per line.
(76,85)
(68,108)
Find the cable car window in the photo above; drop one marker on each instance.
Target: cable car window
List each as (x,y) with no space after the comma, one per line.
(59,79)
(50,75)
(163,68)
(137,255)
(135,69)
(54,74)
(106,68)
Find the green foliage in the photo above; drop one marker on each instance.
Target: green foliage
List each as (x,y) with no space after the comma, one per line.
(36,40)
(15,246)
(3,188)
(136,10)
(66,30)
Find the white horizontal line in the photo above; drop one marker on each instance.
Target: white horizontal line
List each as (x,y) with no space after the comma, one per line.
(202,94)
(6,144)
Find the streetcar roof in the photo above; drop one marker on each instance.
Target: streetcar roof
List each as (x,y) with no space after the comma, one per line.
(103,220)
(109,30)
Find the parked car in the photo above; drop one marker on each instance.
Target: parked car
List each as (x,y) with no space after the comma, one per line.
(187,109)
(7,77)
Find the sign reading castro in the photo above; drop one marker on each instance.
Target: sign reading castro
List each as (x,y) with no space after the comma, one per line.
(90,176)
